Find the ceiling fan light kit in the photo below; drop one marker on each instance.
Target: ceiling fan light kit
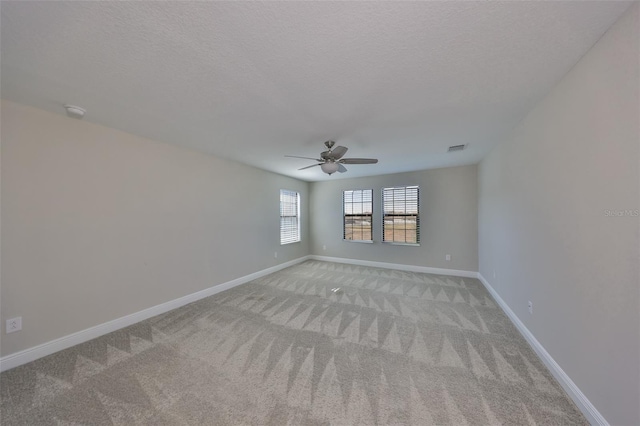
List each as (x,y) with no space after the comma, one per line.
(329,168)
(331,160)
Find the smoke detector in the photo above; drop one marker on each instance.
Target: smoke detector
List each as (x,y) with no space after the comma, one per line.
(75,111)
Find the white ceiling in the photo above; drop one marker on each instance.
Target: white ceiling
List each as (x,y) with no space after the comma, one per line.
(255,81)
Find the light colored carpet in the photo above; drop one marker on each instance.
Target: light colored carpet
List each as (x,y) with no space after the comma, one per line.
(389,347)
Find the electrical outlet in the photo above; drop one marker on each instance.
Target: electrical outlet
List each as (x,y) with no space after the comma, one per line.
(494,274)
(275,254)
(324,247)
(14,324)
(530,307)
(447,257)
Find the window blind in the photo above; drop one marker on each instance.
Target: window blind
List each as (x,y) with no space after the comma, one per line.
(357,207)
(289,217)
(401,222)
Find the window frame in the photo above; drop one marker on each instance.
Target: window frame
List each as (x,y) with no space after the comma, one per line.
(287,192)
(344,217)
(417,215)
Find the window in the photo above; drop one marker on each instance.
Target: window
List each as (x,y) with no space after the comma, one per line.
(358,213)
(401,223)
(289,217)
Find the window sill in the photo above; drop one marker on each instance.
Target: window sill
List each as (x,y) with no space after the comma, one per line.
(401,244)
(358,241)
(290,242)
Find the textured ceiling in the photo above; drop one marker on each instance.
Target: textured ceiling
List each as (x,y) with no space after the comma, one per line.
(255,81)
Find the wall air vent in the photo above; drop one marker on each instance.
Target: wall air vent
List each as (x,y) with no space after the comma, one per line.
(456,148)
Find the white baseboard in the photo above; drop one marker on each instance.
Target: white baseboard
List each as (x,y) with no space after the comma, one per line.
(399,266)
(586,407)
(19,358)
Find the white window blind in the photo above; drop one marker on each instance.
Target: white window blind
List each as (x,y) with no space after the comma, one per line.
(289,216)
(357,207)
(401,222)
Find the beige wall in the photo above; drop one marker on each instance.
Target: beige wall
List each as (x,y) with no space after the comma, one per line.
(98,224)
(448,219)
(545,230)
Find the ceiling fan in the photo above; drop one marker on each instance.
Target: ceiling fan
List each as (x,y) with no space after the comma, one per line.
(331,161)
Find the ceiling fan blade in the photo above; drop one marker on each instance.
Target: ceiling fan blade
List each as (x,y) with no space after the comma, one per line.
(341,168)
(338,152)
(359,161)
(308,167)
(306,158)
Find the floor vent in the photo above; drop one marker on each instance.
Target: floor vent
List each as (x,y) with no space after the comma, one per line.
(456,148)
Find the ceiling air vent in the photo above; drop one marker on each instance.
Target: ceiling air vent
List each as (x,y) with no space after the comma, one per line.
(456,148)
